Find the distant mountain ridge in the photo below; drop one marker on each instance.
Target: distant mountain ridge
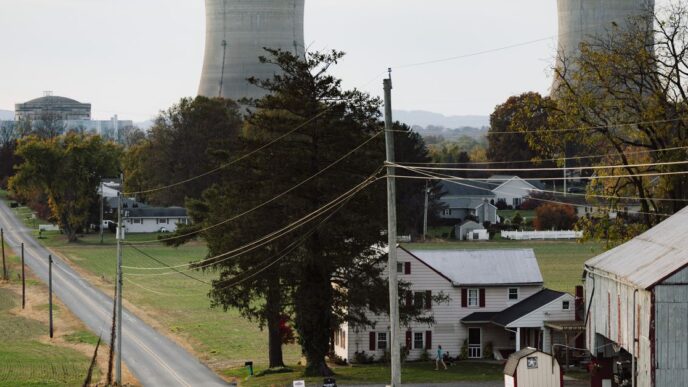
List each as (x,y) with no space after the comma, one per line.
(6,115)
(424,119)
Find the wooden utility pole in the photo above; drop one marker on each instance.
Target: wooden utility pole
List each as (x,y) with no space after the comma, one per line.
(120,237)
(4,265)
(23,278)
(425,212)
(50,292)
(102,203)
(392,238)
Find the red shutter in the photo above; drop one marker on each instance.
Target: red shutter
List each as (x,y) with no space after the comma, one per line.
(409,299)
(408,340)
(482,298)
(428,299)
(428,339)
(372,341)
(407,267)
(464,298)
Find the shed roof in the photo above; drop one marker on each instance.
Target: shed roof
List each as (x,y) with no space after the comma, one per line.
(515,358)
(484,267)
(650,257)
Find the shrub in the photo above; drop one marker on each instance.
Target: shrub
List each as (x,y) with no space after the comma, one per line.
(501,204)
(488,353)
(555,216)
(463,354)
(517,220)
(425,356)
(362,358)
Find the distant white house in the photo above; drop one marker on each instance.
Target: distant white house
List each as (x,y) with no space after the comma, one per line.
(511,190)
(497,304)
(154,219)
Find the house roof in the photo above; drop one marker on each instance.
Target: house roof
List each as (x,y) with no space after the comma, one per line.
(483,267)
(504,178)
(527,306)
(515,358)
(467,187)
(156,212)
(468,203)
(650,257)
(479,317)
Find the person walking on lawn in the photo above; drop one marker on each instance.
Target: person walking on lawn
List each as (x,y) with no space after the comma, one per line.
(440,358)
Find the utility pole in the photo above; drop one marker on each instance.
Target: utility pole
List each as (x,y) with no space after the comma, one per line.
(392,237)
(565,185)
(120,237)
(4,265)
(23,278)
(425,212)
(102,203)
(50,292)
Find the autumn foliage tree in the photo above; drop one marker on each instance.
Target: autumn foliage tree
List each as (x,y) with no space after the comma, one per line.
(66,169)
(553,216)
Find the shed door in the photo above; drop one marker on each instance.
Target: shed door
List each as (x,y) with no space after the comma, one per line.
(474,343)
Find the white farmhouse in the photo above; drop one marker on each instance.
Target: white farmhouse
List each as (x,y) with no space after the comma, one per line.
(154,219)
(511,190)
(497,303)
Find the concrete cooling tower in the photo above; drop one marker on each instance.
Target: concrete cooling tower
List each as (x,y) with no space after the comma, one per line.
(582,20)
(236,32)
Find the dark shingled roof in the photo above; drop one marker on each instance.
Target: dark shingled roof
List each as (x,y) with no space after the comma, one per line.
(515,358)
(479,317)
(156,212)
(467,188)
(530,304)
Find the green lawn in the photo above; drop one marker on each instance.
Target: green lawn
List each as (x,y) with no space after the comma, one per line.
(379,374)
(561,262)
(24,360)
(509,214)
(223,339)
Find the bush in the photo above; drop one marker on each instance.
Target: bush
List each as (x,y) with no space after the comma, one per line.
(425,356)
(337,359)
(555,216)
(501,204)
(362,358)
(463,354)
(488,353)
(517,220)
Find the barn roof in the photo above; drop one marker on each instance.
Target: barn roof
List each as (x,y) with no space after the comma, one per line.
(650,257)
(484,267)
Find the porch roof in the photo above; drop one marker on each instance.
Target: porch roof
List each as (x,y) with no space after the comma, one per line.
(525,307)
(479,317)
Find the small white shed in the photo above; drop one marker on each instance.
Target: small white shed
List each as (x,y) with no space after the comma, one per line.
(532,368)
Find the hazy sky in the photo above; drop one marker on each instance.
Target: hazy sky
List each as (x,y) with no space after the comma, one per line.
(135,57)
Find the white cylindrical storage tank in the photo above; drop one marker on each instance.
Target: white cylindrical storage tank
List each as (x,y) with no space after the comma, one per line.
(236,32)
(584,20)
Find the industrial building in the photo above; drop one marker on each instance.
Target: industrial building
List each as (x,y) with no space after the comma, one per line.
(237,31)
(637,308)
(585,20)
(66,114)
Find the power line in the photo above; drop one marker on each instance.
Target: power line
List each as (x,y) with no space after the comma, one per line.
(233,161)
(552,159)
(168,266)
(594,167)
(274,235)
(320,172)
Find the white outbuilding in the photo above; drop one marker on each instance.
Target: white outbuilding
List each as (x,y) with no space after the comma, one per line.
(532,368)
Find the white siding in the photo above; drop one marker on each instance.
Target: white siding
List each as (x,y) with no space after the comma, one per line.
(150,225)
(448,330)
(550,312)
(512,189)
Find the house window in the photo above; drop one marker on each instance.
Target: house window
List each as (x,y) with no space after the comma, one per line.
(513,293)
(400,267)
(418,340)
(136,220)
(472,297)
(517,202)
(565,305)
(446,212)
(418,298)
(162,221)
(382,340)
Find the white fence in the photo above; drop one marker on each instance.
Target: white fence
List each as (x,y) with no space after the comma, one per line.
(530,235)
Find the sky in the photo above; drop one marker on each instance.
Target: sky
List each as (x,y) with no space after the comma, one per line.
(136,57)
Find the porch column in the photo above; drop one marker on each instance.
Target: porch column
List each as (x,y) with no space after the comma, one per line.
(518,339)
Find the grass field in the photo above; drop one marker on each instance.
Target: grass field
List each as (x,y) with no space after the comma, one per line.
(561,262)
(27,357)
(379,374)
(180,304)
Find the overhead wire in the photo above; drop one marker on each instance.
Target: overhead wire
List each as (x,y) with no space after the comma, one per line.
(225,165)
(538,169)
(257,207)
(210,261)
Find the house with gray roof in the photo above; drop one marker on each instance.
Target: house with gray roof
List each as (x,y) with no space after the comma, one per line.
(154,219)
(497,305)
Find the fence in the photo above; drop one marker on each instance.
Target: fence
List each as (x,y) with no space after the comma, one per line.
(530,235)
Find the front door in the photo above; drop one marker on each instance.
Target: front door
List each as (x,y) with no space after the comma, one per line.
(474,343)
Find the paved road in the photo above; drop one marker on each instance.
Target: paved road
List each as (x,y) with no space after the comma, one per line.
(154,359)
